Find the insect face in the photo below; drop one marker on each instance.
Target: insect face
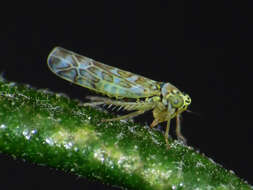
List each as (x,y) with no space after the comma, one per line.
(174,99)
(178,100)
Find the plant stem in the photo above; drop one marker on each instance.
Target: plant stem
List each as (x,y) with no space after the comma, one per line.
(52,130)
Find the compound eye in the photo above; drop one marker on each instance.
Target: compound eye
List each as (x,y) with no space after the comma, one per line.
(176,101)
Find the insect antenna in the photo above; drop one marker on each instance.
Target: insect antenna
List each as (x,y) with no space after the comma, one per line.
(195,113)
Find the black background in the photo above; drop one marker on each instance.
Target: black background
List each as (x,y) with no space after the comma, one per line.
(202,47)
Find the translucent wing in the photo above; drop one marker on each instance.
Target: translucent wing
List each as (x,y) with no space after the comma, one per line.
(99,77)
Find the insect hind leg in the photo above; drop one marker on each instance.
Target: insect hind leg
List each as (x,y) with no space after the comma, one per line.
(127,116)
(93,104)
(130,106)
(96,101)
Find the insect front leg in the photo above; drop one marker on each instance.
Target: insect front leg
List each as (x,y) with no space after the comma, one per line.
(178,130)
(159,116)
(162,115)
(166,134)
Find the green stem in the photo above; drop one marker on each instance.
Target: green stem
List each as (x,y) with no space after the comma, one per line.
(52,130)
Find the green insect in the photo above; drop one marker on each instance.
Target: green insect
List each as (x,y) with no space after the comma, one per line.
(164,99)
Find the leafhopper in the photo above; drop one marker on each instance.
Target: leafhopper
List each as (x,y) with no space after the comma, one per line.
(166,101)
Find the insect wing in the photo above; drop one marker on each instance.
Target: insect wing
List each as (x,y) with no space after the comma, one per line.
(99,77)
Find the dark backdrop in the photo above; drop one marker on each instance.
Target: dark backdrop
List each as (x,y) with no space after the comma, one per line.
(204,48)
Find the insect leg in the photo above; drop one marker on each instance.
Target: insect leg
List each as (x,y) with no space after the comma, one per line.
(127,116)
(155,123)
(96,100)
(178,130)
(93,104)
(166,134)
(130,106)
(141,107)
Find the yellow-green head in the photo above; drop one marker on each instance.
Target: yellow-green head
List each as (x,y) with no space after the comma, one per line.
(176,101)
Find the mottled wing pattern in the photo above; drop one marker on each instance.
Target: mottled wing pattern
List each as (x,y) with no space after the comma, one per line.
(99,77)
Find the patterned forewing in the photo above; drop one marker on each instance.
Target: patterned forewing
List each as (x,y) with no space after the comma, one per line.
(99,77)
